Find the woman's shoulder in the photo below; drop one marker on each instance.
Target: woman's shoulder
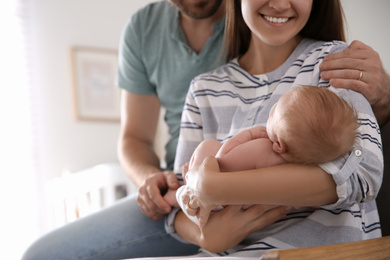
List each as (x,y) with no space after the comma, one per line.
(229,72)
(309,47)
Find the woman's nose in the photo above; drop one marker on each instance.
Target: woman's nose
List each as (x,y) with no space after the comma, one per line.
(280,5)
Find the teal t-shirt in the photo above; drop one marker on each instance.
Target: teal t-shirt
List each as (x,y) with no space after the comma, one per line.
(155,59)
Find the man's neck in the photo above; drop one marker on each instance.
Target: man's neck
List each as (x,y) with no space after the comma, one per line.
(198,31)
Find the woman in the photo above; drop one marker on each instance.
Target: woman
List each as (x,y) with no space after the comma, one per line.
(276,45)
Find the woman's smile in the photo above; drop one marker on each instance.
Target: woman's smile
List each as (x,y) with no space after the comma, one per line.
(277,20)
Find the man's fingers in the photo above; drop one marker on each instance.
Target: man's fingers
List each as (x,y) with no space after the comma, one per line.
(259,209)
(156,200)
(270,216)
(356,50)
(355,85)
(355,75)
(358,45)
(148,207)
(172,181)
(351,63)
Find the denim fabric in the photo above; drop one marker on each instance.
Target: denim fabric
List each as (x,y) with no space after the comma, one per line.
(120,231)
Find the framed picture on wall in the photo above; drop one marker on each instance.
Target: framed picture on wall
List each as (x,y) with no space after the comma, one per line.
(96,97)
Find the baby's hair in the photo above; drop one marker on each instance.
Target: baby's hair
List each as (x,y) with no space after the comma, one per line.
(319,125)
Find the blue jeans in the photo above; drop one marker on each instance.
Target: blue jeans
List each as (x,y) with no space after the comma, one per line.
(120,231)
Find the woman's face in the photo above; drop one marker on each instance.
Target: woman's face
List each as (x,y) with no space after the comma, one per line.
(275,22)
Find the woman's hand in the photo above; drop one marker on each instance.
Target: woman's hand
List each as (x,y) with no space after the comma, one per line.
(200,213)
(197,194)
(227,228)
(360,68)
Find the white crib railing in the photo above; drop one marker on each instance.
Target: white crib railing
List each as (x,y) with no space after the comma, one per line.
(74,195)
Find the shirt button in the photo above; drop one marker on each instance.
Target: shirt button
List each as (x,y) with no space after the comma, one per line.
(263,78)
(189,51)
(250,117)
(358,153)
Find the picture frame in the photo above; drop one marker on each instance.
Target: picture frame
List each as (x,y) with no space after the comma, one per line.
(96,97)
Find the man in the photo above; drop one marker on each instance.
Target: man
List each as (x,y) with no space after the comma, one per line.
(185,50)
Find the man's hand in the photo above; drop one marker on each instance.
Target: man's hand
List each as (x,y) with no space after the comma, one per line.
(360,68)
(150,194)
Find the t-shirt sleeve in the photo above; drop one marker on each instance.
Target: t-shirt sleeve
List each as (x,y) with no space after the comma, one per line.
(132,74)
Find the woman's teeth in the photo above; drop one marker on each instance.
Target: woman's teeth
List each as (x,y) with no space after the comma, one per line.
(275,20)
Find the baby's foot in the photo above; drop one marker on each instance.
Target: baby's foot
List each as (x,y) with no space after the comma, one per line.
(170,197)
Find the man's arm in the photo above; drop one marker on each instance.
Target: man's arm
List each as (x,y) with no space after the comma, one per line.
(139,118)
(139,115)
(360,68)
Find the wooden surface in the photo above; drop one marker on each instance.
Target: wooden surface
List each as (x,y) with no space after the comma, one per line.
(377,249)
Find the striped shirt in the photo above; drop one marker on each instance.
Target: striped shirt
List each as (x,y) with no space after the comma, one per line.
(228,100)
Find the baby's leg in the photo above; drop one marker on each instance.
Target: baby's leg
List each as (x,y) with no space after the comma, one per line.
(205,149)
(170,197)
(254,154)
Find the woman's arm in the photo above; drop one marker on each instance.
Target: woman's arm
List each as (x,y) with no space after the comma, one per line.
(358,175)
(287,184)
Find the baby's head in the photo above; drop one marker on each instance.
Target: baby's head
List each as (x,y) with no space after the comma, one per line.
(312,125)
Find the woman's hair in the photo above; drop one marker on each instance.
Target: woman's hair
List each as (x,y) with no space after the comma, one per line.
(318,125)
(326,23)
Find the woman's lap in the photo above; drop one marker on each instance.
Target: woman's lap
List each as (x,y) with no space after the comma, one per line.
(120,231)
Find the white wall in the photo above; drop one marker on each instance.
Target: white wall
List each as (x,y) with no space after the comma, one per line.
(367,21)
(65,143)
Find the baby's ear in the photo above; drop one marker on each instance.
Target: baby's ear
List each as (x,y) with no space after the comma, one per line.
(279,146)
